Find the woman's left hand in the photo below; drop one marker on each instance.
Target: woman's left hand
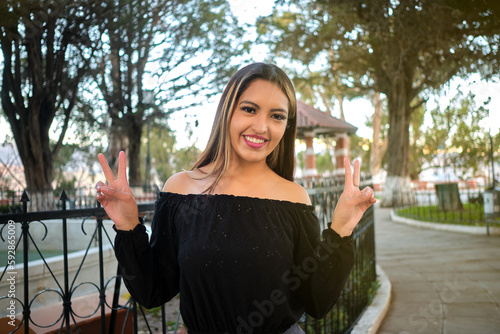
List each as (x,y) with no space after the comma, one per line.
(353,202)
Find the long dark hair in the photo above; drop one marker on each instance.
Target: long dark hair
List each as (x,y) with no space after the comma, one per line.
(218,150)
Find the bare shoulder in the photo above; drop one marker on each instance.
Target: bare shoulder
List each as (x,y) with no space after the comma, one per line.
(185,182)
(293,192)
(176,183)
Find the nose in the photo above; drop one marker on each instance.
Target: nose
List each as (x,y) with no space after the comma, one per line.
(259,124)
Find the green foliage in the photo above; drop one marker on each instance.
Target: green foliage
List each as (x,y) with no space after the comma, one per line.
(73,167)
(300,156)
(454,138)
(324,163)
(5,209)
(360,148)
(366,43)
(372,291)
(166,159)
(61,164)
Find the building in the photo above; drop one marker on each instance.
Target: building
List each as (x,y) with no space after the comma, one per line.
(313,123)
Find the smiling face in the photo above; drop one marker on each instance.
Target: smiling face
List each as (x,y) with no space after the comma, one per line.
(258,121)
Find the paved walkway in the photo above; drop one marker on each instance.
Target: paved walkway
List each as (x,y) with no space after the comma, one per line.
(442,282)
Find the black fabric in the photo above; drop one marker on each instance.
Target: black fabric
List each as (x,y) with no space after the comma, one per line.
(241,264)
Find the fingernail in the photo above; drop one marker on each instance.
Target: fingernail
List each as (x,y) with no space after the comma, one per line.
(98,187)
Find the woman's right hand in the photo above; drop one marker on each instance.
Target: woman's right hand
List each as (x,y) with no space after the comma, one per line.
(116,197)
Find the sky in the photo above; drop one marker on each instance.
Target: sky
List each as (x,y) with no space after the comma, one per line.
(356,111)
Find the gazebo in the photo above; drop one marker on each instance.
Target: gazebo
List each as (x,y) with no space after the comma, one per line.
(312,123)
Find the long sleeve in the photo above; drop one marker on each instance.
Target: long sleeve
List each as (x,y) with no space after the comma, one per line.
(150,270)
(321,266)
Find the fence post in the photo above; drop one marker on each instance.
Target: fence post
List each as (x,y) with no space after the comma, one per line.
(67,296)
(114,307)
(102,293)
(25,231)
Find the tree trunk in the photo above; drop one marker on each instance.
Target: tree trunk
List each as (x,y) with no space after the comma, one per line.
(125,135)
(38,168)
(378,148)
(340,98)
(117,141)
(30,129)
(134,134)
(398,180)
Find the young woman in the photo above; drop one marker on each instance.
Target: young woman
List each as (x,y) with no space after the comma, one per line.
(235,236)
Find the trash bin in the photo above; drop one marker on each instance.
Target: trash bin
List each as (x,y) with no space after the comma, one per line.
(491,206)
(492,203)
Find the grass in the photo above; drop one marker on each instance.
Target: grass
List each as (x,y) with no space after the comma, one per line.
(471,214)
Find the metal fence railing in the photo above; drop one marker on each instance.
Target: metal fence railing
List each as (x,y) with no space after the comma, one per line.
(78,198)
(73,274)
(456,205)
(356,294)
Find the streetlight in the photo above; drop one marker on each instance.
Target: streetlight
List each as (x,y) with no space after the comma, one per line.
(149,102)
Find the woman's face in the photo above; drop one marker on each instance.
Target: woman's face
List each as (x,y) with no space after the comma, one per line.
(258,121)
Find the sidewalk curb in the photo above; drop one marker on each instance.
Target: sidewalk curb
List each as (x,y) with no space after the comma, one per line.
(372,316)
(478,230)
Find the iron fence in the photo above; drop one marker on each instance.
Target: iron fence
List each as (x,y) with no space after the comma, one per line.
(457,205)
(64,280)
(362,281)
(78,198)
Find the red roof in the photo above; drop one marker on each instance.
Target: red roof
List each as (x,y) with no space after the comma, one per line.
(321,123)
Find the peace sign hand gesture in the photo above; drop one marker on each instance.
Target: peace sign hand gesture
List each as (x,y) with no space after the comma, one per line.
(116,197)
(353,202)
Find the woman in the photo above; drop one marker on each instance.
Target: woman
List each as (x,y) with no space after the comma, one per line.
(235,235)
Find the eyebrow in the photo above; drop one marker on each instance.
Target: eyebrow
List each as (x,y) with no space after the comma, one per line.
(258,107)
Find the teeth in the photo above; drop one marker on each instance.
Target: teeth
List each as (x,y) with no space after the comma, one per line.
(255,140)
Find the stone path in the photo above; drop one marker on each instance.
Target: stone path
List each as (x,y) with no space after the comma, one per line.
(442,282)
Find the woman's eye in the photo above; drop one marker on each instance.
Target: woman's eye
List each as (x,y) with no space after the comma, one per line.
(279,117)
(249,110)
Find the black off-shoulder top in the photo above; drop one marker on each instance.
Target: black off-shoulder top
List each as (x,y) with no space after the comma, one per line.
(241,264)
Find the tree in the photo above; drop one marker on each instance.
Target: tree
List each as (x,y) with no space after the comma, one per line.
(455,138)
(166,159)
(398,48)
(360,149)
(177,51)
(74,167)
(322,86)
(47,47)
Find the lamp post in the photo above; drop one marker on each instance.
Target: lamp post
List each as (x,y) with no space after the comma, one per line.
(149,102)
(493,183)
